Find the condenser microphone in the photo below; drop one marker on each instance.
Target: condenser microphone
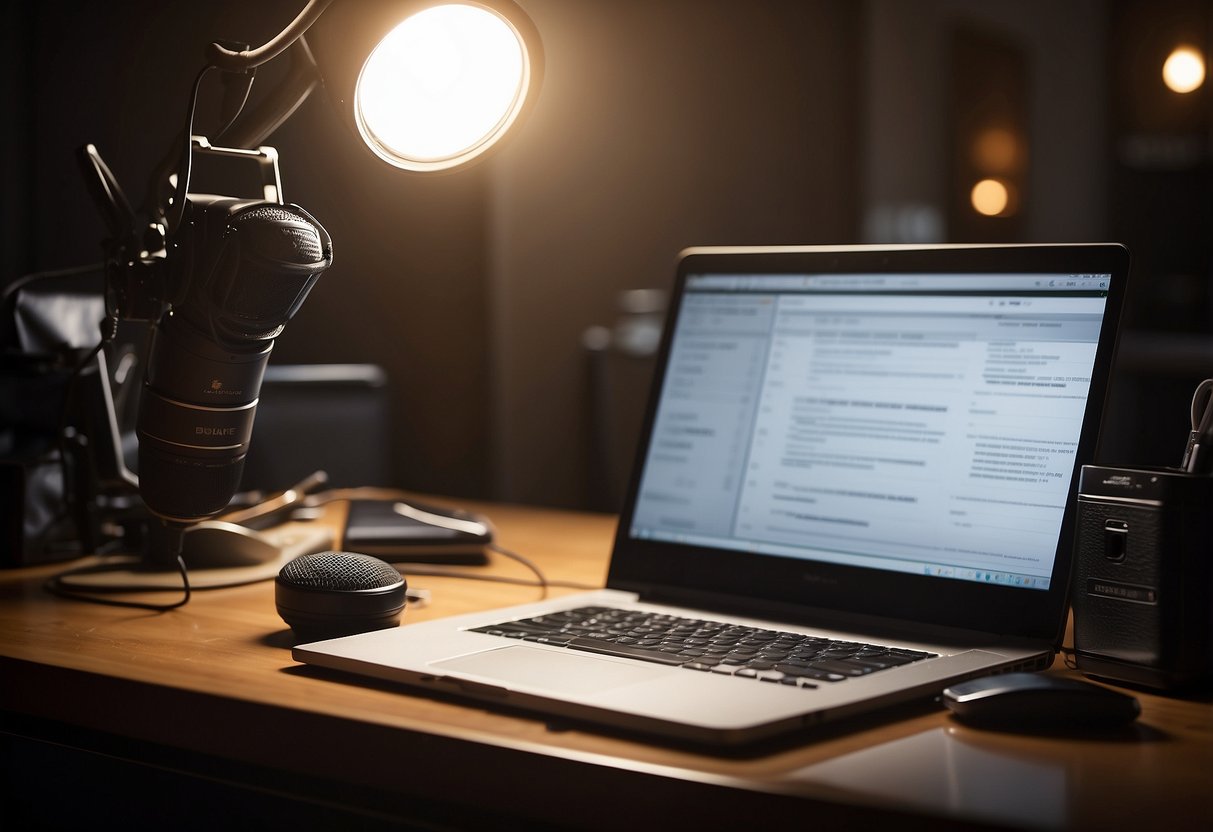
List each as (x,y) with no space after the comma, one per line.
(241,269)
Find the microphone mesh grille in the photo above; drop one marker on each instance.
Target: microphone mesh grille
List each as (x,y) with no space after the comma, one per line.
(344,571)
(282,234)
(269,213)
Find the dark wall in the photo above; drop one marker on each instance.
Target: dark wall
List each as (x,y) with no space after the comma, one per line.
(1160,184)
(1104,152)
(662,125)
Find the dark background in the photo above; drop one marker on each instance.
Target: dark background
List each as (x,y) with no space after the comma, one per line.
(661,124)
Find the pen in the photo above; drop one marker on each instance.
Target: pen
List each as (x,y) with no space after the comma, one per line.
(273,509)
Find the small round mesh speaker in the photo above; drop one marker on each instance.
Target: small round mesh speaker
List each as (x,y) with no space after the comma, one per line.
(330,594)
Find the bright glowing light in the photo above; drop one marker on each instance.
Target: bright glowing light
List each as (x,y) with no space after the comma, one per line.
(441,87)
(990,197)
(1184,69)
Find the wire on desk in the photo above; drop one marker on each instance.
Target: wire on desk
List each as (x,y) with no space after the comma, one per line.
(273,505)
(540,580)
(252,517)
(55,586)
(527,562)
(392,495)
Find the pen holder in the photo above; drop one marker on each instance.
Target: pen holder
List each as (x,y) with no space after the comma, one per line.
(1142,589)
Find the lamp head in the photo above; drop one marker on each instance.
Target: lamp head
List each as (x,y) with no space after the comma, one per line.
(429,86)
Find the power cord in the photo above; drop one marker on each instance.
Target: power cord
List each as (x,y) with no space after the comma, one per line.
(174,536)
(391,495)
(57,585)
(541,580)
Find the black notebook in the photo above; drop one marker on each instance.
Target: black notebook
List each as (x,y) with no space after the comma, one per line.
(407,531)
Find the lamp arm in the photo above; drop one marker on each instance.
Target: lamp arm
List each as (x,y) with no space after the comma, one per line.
(254,128)
(303,78)
(231,60)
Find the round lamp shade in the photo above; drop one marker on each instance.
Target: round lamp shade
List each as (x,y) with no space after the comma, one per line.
(429,85)
(442,87)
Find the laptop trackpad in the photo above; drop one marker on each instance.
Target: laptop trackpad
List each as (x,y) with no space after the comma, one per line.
(550,669)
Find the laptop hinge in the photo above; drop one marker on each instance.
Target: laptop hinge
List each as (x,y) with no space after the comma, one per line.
(875,626)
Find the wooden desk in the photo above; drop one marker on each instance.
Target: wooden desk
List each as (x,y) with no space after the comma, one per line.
(201,712)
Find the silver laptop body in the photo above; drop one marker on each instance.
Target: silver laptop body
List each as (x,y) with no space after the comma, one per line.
(876,445)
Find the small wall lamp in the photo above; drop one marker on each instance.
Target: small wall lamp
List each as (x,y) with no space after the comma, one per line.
(427,85)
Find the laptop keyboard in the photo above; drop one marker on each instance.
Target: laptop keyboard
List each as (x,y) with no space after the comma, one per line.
(708,646)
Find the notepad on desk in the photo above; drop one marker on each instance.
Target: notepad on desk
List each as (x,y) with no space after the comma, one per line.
(409,532)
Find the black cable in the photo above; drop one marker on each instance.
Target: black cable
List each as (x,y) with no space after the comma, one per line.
(183,168)
(528,563)
(26,279)
(175,539)
(55,586)
(441,572)
(248,89)
(540,581)
(390,495)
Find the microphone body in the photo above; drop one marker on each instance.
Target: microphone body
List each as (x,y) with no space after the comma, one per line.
(241,269)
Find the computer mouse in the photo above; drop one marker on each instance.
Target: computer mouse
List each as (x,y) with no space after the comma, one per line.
(1036,701)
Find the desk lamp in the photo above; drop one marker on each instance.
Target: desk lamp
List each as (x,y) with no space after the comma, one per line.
(428,86)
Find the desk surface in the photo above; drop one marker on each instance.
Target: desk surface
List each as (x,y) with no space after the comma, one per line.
(215,679)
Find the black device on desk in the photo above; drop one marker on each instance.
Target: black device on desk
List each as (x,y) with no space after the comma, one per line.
(1142,589)
(1143,580)
(411,532)
(1038,701)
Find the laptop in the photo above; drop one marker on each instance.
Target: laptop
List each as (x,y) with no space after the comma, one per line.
(855,485)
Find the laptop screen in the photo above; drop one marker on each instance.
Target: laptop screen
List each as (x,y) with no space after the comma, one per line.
(924,418)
